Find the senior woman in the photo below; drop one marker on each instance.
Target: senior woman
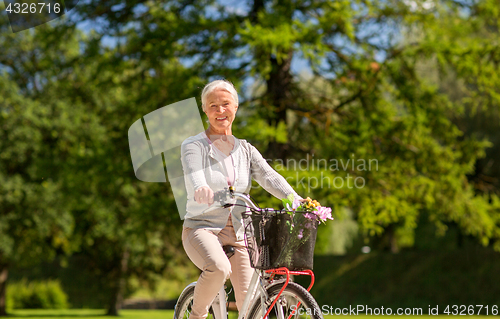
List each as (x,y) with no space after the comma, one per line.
(213,160)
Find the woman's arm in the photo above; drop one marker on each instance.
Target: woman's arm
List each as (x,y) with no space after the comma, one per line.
(194,174)
(268,178)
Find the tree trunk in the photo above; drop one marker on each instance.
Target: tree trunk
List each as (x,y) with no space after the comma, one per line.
(279,81)
(279,90)
(392,239)
(394,243)
(388,241)
(118,285)
(3,285)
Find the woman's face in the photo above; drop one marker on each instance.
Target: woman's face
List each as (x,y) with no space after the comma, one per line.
(221,110)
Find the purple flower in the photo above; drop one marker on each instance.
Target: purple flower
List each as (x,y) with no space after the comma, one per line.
(311,215)
(324,213)
(300,235)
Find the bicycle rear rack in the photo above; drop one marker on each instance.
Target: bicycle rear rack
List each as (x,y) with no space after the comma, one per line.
(285,271)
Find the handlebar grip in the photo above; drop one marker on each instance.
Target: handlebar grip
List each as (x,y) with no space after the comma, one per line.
(221,196)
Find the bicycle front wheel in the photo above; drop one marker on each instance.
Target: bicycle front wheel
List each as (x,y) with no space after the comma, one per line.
(184,304)
(287,306)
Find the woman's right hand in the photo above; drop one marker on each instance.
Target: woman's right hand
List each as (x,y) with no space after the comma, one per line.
(204,195)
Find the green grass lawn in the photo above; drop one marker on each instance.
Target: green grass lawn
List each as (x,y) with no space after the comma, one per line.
(90,314)
(131,314)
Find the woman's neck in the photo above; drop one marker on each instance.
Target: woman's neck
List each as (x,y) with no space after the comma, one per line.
(215,134)
(224,142)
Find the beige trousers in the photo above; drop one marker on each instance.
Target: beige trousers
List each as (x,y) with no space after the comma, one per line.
(204,248)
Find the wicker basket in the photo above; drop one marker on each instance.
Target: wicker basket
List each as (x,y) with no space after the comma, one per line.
(280,240)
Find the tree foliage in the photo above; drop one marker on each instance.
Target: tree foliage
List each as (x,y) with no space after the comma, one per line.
(68,135)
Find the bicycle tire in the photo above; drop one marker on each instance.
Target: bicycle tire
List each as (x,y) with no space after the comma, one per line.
(184,304)
(290,297)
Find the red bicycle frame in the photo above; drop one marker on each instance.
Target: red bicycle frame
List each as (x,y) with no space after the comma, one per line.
(285,271)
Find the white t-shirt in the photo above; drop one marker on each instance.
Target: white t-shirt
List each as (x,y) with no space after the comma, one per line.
(227,160)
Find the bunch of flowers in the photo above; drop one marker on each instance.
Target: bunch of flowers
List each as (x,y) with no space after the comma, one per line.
(313,208)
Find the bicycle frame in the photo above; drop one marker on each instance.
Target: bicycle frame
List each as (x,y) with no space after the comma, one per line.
(258,284)
(257,289)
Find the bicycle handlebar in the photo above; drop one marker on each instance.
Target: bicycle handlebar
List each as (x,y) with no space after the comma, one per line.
(221,196)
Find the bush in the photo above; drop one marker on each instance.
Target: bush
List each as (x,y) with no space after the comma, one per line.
(37,294)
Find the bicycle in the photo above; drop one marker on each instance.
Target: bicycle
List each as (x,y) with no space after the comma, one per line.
(265,292)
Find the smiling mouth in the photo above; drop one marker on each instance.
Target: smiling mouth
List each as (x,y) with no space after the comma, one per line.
(221,118)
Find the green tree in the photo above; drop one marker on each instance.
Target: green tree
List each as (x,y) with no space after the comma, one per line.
(463,66)
(35,223)
(85,99)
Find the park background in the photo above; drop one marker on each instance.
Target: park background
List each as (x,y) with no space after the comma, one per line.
(411,84)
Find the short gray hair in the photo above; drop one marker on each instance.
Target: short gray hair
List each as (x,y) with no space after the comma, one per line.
(218,85)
